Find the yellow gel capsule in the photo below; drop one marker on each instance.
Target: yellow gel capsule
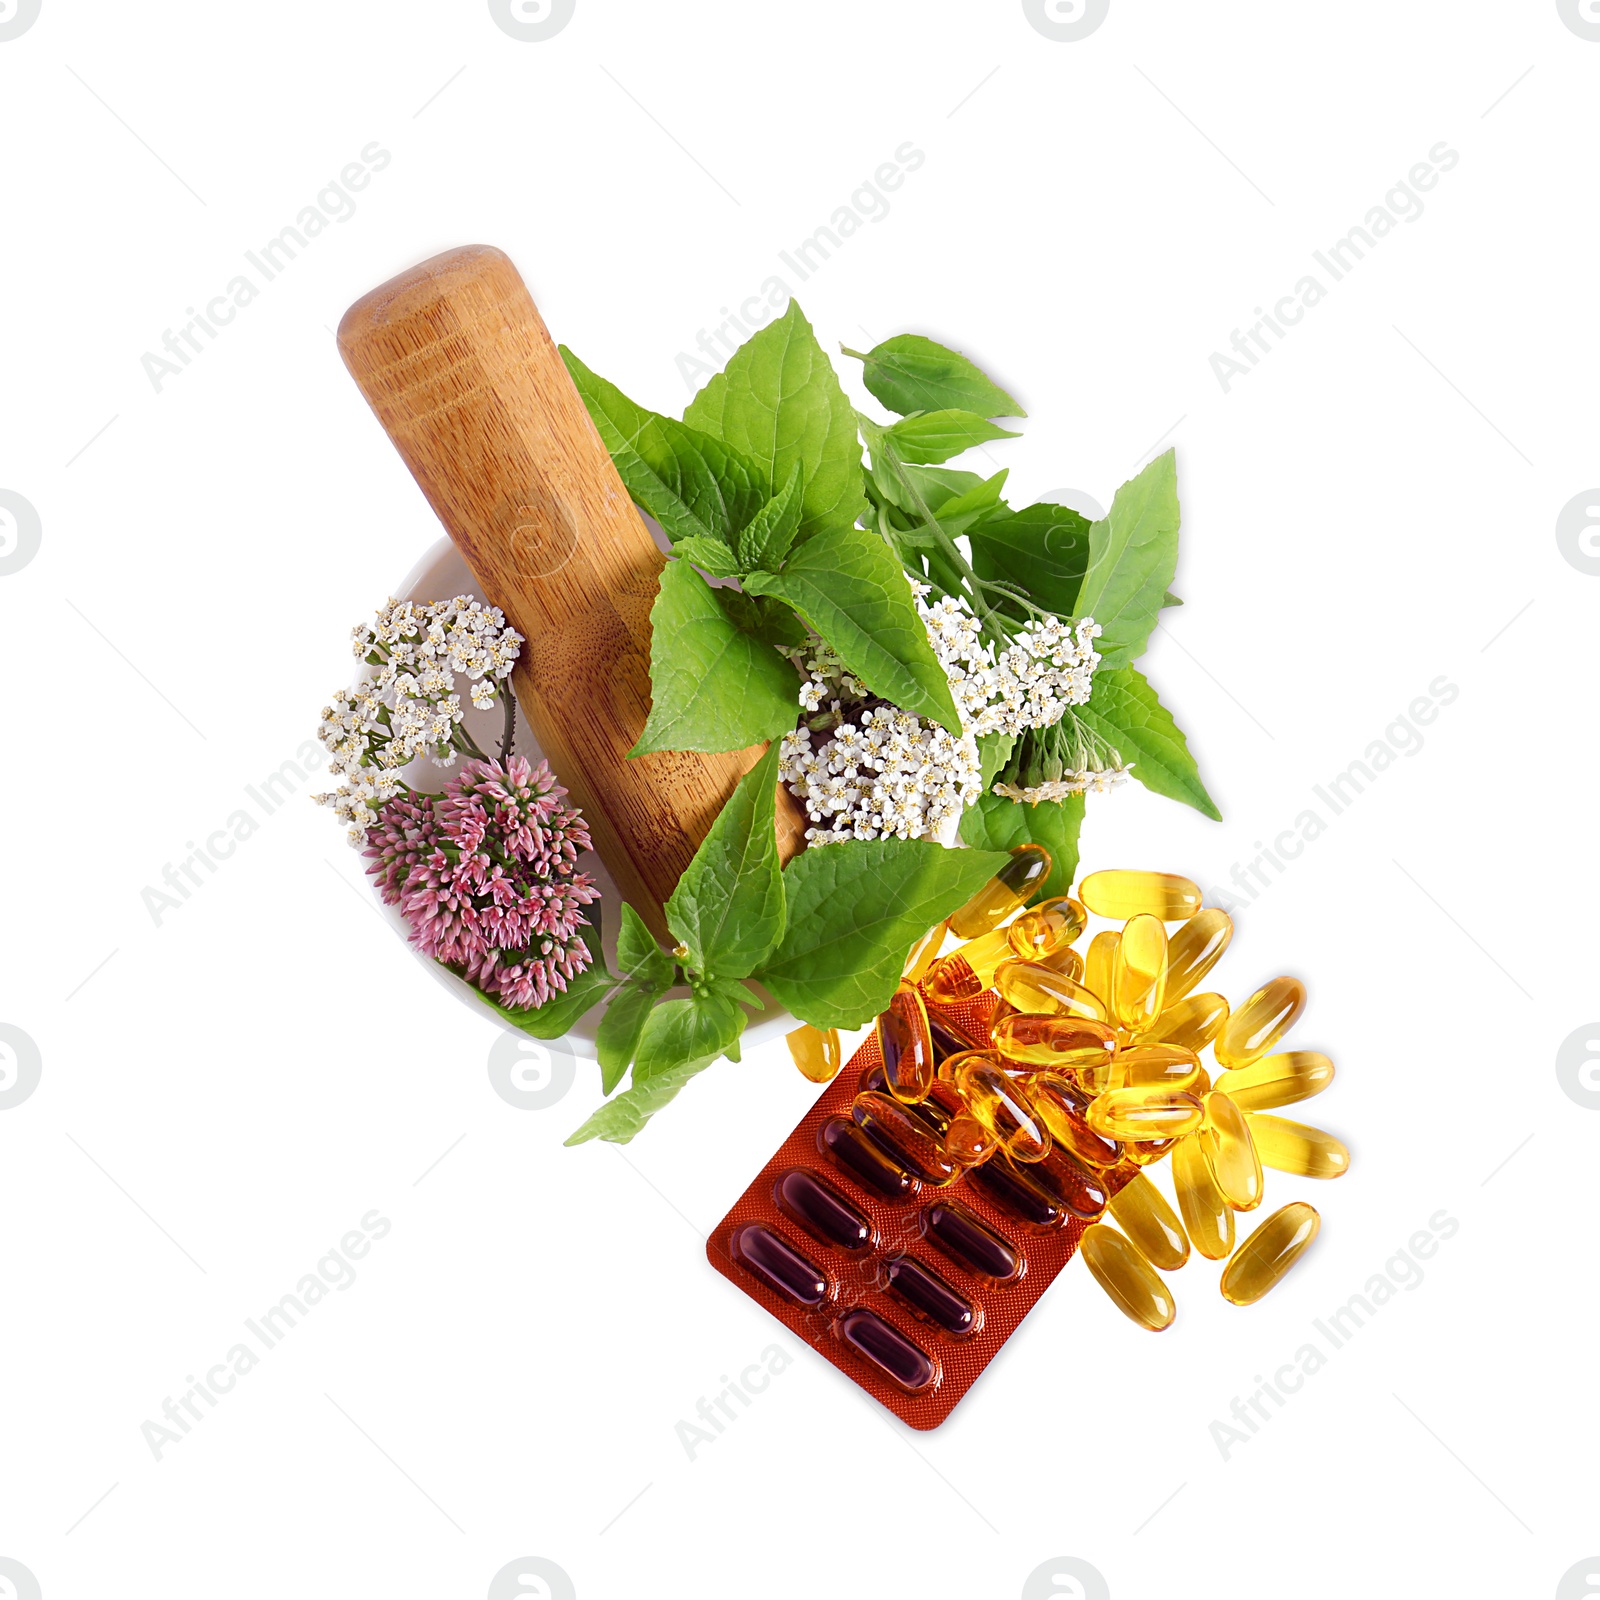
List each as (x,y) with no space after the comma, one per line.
(966,972)
(999,1103)
(1261,1022)
(925,952)
(1121,895)
(1032,986)
(1278,1080)
(1195,949)
(1097,968)
(905,1042)
(1145,1114)
(1052,925)
(1066,960)
(967,1142)
(1060,1108)
(1146,1152)
(1231,1153)
(1261,1261)
(1206,1213)
(1148,1221)
(1139,973)
(950,1067)
(1127,1277)
(1298,1148)
(1030,1042)
(1154,1066)
(1010,889)
(1193,1022)
(817,1054)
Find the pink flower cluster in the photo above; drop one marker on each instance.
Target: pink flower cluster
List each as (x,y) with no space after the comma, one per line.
(484,875)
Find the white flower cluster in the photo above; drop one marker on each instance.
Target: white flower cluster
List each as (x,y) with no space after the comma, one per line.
(1087,780)
(406,705)
(1046,668)
(885,772)
(889,774)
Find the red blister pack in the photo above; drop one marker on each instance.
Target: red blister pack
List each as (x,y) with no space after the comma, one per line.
(908,1288)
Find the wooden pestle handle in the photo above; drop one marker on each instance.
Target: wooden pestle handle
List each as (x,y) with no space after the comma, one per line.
(455,361)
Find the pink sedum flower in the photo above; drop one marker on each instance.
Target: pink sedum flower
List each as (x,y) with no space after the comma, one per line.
(485,874)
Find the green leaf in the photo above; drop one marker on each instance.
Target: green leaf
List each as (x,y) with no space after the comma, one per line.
(961,512)
(692,484)
(728,905)
(735,990)
(1124,711)
(779,402)
(638,954)
(766,541)
(680,1039)
(1170,599)
(848,585)
(910,373)
(712,687)
(1042,549)
(617,1037)
(1132,557)
(996,823)
(855,908)
(994,750)
(933,436)
(764,618)
(710,555)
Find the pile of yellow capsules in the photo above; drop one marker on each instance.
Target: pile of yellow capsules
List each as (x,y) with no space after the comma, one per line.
(1096,1056)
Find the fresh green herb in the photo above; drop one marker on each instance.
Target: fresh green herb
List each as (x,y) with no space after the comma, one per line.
(714,687)
(779,402)
(763,487)
(910,373)
(855,909)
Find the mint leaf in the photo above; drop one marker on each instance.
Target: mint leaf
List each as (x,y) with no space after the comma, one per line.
(680,1039)
(995,823)
(692,484)
(638,954)
(910,373)
(933,436)
(1132,557)
(728,905)
(1043,550)
(779,402)
(854,910)
(848,585)
(766,540)
(1124,711)
(710,555)
(712,687)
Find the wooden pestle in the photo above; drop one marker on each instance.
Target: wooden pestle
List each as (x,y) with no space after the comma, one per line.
(455,361)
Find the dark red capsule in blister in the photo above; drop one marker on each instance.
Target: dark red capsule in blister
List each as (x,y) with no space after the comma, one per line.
(929,1296)
(971,1243)
(1003,1184)
(1072,1185)
(904,1136)
(822,1211)
(779,1265)
(865,1161)
(887,1349)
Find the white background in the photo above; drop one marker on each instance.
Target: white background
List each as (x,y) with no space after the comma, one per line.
(227,1093)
